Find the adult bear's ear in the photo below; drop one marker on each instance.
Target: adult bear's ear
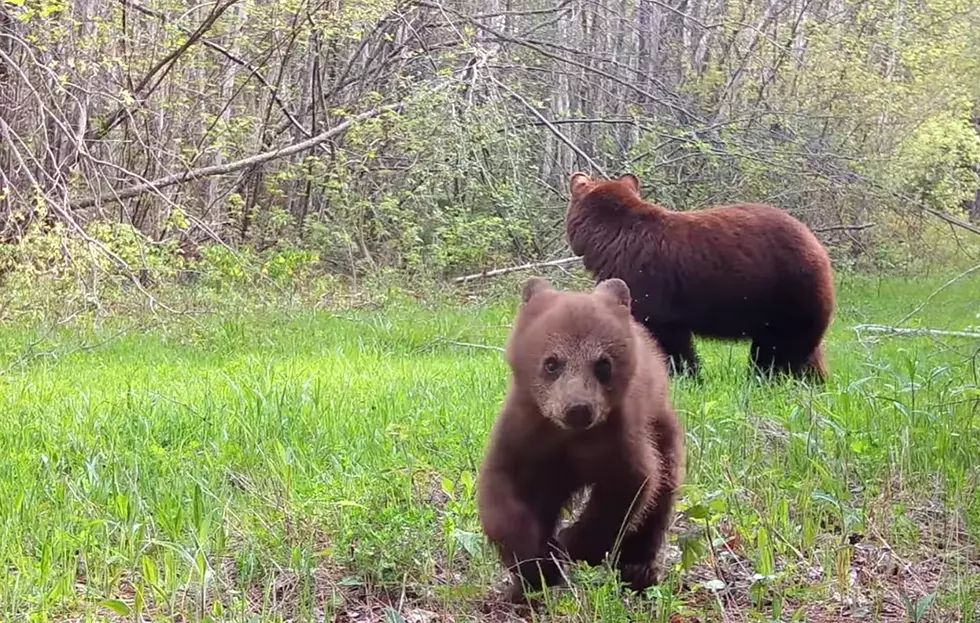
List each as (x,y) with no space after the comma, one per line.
(614,290)
(578,183)
(533,287)
(632,180)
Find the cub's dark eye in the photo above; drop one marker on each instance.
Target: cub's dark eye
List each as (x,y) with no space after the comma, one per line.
(552,366)
(603,369)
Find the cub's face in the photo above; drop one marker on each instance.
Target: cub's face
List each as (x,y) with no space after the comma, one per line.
(573,352)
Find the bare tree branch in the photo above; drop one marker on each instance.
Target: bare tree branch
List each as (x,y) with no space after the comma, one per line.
(194,174)
(537,48)
(550,126)
(233,58)
(165,64)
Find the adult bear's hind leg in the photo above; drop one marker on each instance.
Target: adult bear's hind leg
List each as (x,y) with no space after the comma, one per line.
(796,357)
(812,367)
(678,345)
(765,358)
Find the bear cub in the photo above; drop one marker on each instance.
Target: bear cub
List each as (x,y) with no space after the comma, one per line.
(588,405)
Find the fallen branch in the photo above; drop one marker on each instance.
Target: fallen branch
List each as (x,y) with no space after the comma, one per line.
(513,269)
(194,174)
(874,328)
(823,230)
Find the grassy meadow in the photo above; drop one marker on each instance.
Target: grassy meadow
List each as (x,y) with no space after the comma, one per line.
(320,465)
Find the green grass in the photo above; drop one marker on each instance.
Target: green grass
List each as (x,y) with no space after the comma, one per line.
(314,465)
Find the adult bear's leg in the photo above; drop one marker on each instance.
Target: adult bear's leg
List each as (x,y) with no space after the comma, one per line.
(764,355)
(795,354)
(678,344)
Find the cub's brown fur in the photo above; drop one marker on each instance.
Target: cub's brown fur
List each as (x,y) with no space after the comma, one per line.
(730,272)
(588,405)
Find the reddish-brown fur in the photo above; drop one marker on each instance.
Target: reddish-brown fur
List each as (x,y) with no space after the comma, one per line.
(569,422)
(731,272)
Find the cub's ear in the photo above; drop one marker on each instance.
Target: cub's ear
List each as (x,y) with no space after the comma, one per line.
(533,287)
(578,182)
(632,181)
(614,290)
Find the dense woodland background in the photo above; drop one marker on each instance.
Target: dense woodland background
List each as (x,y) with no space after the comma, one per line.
(350,137)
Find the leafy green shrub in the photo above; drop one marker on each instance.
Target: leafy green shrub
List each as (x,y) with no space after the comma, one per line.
(477,243)
(221,267)
(290,266)
(937,164)
(50,270)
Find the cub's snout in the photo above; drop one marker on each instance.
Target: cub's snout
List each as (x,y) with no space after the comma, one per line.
(579,417)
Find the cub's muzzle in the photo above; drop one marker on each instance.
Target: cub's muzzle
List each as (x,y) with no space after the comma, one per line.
(579,417)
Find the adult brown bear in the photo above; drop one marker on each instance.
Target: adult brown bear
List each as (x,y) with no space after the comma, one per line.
(730,272)
(588,405)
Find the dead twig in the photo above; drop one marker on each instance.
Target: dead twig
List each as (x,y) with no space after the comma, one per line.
(823,230)
(480,346)
(875,328)
(513,269)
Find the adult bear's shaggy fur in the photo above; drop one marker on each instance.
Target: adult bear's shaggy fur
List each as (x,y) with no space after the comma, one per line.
(732,272)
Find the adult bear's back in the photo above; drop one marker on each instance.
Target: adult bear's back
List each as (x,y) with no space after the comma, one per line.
(735,271)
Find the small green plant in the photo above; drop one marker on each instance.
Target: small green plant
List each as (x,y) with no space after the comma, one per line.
(916,610)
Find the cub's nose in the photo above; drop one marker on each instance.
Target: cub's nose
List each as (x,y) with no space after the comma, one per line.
(578,416)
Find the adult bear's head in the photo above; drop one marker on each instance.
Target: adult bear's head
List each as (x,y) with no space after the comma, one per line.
(581,184)
(600,212)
